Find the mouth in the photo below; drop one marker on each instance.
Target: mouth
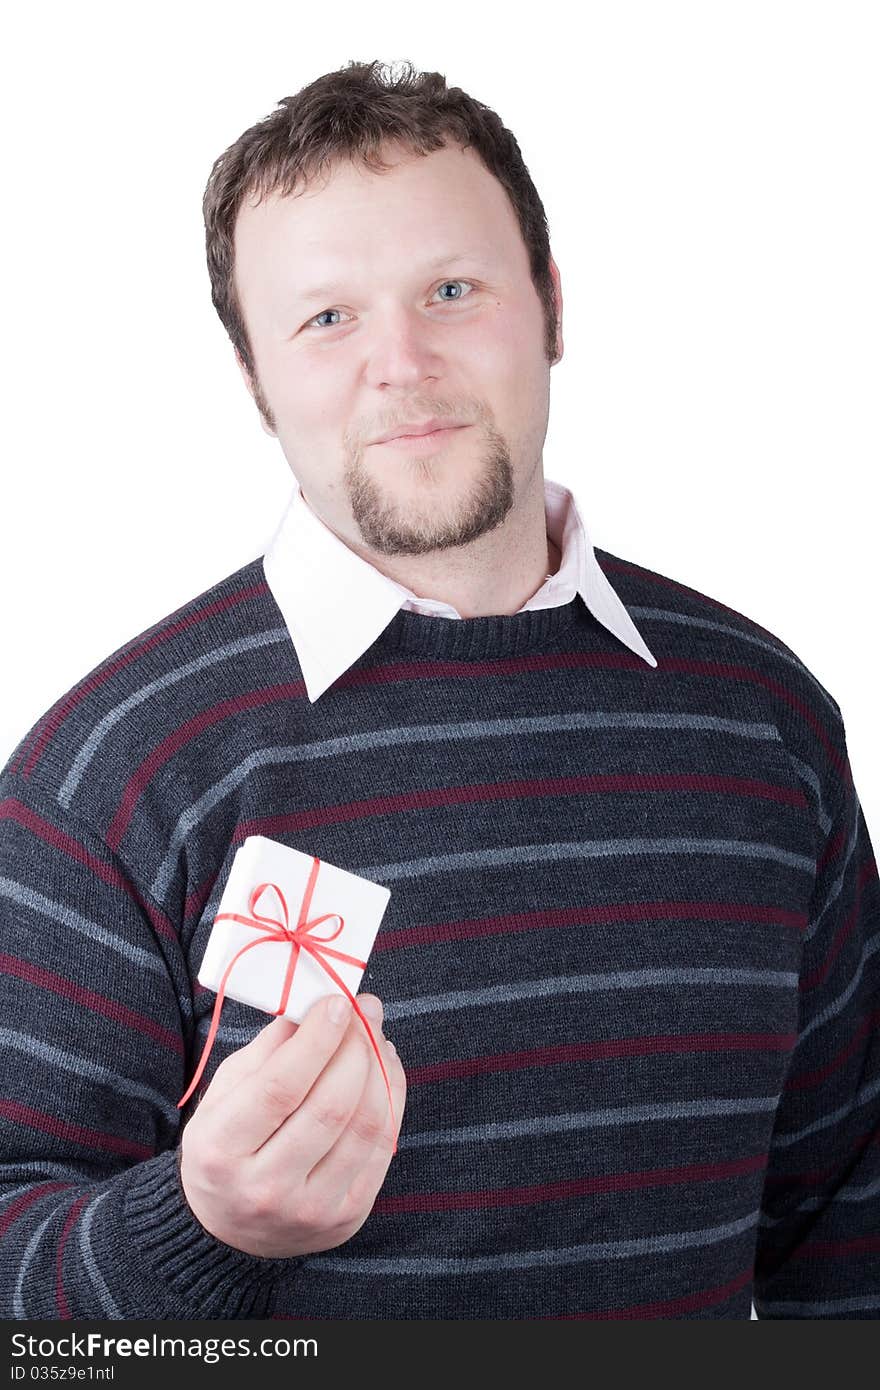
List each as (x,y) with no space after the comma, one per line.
(421,443)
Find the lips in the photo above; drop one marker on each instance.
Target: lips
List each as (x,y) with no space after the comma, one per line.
(413,431)
(421,443)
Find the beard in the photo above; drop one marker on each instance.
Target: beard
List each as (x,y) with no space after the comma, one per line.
(425,506)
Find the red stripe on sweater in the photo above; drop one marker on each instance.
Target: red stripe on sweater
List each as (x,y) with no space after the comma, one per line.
(426,798)
(599,915)
(13,809)
(492,1197)
(608,1048)
(615,565)
(546,918)
(805,1079)
(670,1307)
(596,661)
(858,1245)
(88,999)
(432,670)
(25,1115)
(183,735)
(60,1299)
(816,1177)
(866,873)
(26,1200)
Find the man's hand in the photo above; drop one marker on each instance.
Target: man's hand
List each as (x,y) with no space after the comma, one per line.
(287,1151)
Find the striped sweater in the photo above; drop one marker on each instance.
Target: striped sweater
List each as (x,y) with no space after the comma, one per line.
(630,964)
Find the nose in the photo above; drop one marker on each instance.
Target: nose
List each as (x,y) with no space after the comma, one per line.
(403,349)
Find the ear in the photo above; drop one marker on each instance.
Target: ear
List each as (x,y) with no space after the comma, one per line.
(557,294)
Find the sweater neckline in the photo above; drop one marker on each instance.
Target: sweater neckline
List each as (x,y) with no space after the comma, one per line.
(470,639)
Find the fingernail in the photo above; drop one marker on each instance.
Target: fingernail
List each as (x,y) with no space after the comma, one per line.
(372,1007)
(390,1045)
(338,1009)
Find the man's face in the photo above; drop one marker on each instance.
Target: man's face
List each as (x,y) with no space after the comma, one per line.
(428,310)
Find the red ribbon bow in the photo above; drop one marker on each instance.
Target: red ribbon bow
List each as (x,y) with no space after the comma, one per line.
(272,929)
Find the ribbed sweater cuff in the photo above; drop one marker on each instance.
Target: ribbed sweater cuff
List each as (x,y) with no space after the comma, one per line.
(174,1268)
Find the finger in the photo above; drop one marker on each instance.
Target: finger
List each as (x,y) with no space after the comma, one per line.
(313,1129)
(252,1111)
(238,1065)
(364,1145)
(359,1159)
(245,1060)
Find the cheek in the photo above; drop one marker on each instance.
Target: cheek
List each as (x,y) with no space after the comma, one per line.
(307,396)
(509,359)
(488,349)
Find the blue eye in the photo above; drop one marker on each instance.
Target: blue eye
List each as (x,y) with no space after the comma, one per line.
(320,316)
(313,323)
(453,282)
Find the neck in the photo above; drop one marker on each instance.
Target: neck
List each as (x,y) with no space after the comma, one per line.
(495,574)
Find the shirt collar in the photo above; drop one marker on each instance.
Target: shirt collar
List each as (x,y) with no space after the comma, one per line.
(336,604)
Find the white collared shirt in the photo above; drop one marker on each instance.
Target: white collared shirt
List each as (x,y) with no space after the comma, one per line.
(336,604)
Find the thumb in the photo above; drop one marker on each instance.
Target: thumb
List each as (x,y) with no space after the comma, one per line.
(246,1060)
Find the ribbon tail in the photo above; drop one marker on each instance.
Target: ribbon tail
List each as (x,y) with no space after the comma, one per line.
(363,1020)
(215,1021)
(342,985)
(206,1050)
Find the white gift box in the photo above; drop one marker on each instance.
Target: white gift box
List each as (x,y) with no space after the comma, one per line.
(258,975)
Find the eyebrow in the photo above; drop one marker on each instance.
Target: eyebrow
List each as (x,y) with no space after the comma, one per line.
(330,289)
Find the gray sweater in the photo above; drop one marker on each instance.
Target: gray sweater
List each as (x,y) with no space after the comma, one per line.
(630,964)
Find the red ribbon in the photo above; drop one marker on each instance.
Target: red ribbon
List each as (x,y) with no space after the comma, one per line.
(271,929)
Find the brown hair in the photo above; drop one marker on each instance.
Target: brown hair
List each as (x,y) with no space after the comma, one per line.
(350,113)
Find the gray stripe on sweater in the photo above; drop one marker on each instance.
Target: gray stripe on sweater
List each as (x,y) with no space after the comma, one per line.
(433,733)
(841,1194)
(82,1066)
(783,1141)
(59,913)
(529,1259)
(587,849)
(30,1251)
(834,1307)
(552,987)
(835,889)
(666,615)
(104,726)
(537,854)
(88,1257)
(612,1117)
(836,1005)
(13,1192)
(60,1172)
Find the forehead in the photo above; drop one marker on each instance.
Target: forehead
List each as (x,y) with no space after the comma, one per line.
(351,218)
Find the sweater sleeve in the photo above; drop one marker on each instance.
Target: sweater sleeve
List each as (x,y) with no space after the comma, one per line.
(818,1247)
(93,1220)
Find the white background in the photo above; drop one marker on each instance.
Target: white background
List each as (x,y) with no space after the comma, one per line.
(709,171)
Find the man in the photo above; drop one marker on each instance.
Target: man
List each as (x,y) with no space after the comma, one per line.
(630,955)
